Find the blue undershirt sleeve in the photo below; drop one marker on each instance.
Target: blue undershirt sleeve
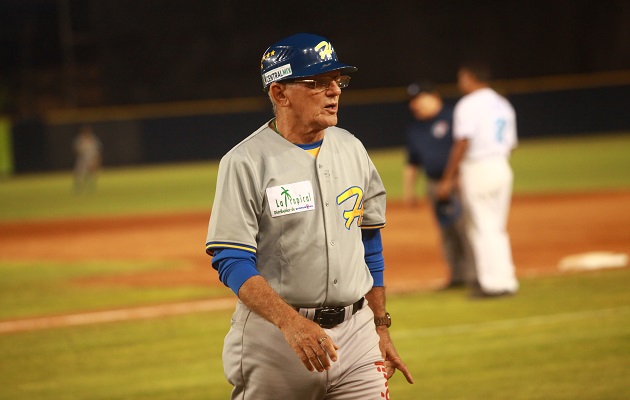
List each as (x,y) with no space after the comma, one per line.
(234,267)
(373,245)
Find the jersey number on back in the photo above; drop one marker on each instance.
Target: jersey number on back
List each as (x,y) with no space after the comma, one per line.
(500,132)
(357,210)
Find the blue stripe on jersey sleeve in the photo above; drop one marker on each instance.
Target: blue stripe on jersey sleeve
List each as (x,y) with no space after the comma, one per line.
(235,266)
(373,245)
(212,246)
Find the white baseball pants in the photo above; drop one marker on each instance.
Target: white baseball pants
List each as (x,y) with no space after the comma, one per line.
(486,193)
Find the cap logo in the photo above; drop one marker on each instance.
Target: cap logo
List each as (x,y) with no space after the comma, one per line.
(326,50)
(277,73)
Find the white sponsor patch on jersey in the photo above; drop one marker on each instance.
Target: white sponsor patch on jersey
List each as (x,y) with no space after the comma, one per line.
(291,198)
(277,73)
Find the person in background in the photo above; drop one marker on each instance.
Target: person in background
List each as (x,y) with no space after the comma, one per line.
(429,141)
(87,149)
(484,129)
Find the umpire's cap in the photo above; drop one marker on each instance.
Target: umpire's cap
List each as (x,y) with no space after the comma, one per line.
(419,87)
(297,56)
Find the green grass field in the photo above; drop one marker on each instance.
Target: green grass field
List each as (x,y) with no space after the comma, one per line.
(562,337)
(31,289)
(596,162)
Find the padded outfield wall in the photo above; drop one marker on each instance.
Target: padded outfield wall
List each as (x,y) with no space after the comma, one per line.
(205,130)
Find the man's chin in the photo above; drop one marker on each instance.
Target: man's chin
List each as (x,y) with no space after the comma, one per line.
(330,121)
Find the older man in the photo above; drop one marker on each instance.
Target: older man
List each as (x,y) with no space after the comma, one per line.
(295,233)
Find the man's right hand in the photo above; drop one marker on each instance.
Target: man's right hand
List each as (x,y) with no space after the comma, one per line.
(310,342)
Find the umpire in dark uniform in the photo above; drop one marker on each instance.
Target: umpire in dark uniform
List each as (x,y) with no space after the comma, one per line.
(429,141)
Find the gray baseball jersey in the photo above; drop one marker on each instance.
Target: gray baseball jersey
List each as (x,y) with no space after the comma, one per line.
(301,215)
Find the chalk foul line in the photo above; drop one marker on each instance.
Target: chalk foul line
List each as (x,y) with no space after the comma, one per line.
(96,317)
(165,310)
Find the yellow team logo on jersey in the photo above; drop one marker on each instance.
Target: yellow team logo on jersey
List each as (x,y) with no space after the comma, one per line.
(356,212)
(326,50)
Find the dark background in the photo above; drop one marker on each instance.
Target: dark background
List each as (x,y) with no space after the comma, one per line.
(144,51)
(58,54)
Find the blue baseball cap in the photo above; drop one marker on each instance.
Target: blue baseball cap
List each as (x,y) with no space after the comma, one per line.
(298,56)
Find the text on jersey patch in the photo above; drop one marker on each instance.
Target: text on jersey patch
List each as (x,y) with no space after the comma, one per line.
(291,198)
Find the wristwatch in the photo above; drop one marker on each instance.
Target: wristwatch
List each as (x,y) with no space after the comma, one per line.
(386,320)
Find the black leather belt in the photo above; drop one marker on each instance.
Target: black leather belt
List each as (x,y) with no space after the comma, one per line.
(329,317)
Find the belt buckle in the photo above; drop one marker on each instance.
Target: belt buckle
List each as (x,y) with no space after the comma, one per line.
(330,316)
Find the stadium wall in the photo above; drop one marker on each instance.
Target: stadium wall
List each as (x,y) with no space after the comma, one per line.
(196,131)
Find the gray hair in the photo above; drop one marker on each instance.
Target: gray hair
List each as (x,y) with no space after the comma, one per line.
(273,103)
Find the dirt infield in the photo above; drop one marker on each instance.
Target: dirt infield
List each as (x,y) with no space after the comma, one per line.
(543,229)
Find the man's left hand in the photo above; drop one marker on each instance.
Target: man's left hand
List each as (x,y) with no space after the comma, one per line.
(393,361)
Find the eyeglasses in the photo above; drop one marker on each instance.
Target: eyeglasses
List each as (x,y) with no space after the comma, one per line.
(324,82)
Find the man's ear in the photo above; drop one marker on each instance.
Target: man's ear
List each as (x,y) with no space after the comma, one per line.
(277,91)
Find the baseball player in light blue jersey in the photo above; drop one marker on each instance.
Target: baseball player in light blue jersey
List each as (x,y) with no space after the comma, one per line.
(484,129)
(295,233)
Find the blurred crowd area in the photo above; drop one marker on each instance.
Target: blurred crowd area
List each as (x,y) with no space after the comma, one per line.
(164,81)
(88,53)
